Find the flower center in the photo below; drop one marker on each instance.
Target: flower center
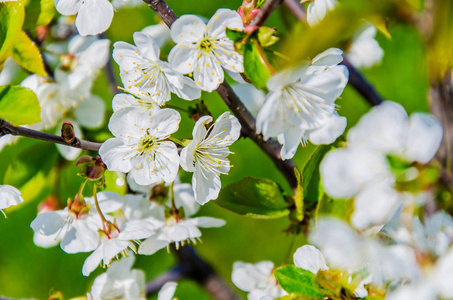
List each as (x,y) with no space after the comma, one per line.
(206,45)
(147,145)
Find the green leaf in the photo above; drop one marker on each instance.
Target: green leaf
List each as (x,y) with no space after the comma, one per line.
(11,20)
(256,65)
(299,197)
(19,105)
(254,197)
(266,36)
(26,53)
(235,35)
(340,208)
(297,281)
(313,190)
(38,12)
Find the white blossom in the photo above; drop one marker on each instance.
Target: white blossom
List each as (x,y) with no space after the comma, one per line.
(76,229)
(178,231)
(119,282)
(204,49)
(145,75)
(167,291)
(256,279)
(206,156)
(140,145)
(362,170)
(317,10)
(301,104)
(365,51)
(93,16)
(159,32)
(9,196)
(252,97)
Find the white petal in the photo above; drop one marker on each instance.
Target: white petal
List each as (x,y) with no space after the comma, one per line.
(207,222)
(206,185)
(423,137)
(90,113)
(68,7)
(94,17)
(147,46)
(128,122)
(151,245)
(81,237)
(46,241)
(190,90)
(208,73)
(159,32)
(96,55)
(114,154)
(224,18)
(309,258)
(184,197)
(49,223)
(187,157)
(92,261)
(329,58)
(167,291)
(183,58)
(329,132)
(287,76)
(252,98)
(9,196)
(374,205)
(108,201)
(188,28)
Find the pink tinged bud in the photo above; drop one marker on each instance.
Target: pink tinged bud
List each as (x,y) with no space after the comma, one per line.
(250,28)
(49,204)
(84,159)
(67,133)
(241,13)
(252,14)
(95,172)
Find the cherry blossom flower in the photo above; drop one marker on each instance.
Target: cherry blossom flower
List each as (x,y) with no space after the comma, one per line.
(301,104)
(204,49)
(144,102)
(140,145)
(86,56)
(144,74)
(93,16)
(178,231)
(317,10)
(9,196)
(76,226)
(311,259)
(207,154)
(362,170)
(257,279)
(119,282)
(252,97)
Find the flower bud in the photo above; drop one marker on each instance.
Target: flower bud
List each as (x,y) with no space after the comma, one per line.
(67,133)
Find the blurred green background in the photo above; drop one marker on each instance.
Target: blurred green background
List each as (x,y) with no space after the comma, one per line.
(30,272)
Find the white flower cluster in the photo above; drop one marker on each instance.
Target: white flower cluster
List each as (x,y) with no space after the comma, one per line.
(367,169)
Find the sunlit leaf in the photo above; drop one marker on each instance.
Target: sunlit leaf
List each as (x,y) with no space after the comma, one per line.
(254,197)
(256,66)
(26,53)
(19,105)
(11,20)
(38,12)
(297,281)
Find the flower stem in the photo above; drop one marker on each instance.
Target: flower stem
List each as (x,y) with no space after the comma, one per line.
(175,140)
(95,190)
(172,196)
(82,186)
(177,108)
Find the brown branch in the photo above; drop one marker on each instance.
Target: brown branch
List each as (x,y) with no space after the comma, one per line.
(270,147)
(297,10)
(265,12)
(8,128)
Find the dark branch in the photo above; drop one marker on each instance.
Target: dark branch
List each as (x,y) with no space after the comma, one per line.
(296,9)
(265,12)
(8,128)
(271,148)
(175,274)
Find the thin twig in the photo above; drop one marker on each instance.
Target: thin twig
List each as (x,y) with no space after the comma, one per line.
(8,128)
(270,147)
(297,10)
(265,12)
(175,274)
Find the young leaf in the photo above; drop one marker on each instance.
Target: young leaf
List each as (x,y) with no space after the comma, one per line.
(340,208)
(256,66)
(266,36)
(297,281)
(254,197)
(235,35)
(11,20)
(38,12)
(19,105)
(313,190)
(26,53)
